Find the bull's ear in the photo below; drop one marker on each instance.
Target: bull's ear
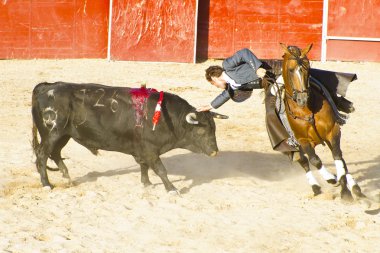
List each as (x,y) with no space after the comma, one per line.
(191,118)
(218,115)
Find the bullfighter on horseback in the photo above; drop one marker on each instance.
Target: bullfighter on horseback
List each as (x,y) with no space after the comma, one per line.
(243,72)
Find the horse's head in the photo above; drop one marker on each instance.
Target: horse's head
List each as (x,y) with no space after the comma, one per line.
(295,71)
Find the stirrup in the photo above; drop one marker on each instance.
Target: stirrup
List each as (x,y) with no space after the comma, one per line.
(292,142)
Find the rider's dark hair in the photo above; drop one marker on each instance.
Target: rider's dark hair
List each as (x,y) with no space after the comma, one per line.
(215,71)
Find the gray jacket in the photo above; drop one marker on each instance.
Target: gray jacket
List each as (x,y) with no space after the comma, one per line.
(241,67)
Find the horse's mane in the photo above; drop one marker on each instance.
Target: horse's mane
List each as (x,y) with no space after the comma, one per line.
(273,65)
(274,69)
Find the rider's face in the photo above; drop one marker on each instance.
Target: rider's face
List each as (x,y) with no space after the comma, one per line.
(218,82)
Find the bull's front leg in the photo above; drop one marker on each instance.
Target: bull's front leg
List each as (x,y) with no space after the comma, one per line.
(144,171)
(159,168)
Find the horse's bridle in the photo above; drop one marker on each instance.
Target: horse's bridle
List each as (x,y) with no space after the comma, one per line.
(301,64)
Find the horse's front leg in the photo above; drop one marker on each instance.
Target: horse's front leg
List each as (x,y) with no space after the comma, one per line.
(304,162)
(317,162)
(346,180)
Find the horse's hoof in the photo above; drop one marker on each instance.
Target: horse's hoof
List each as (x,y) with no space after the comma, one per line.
(316,189)
(332,181)
(65,175)
(346,196)
(70,183)
(373,212)
(357,191)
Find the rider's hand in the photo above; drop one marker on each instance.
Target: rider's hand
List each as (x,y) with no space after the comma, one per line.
(204,108)
(261,72)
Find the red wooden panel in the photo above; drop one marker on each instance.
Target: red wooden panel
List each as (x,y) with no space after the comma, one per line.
(91,28)
(354,19)
(14,29)
(261,25)
(53,29)
(153,30)
(353,50)
(52,26)
(221,25)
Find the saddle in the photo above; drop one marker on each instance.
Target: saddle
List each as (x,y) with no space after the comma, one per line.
(338,104)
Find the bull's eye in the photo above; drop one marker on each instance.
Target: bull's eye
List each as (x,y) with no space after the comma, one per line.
(201,131)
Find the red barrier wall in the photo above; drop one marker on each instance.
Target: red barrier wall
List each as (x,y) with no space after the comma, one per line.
(157,30)
(354,19)
(165,30)
(259,25)
(53,29)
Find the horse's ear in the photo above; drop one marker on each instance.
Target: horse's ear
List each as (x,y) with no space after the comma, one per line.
(285,48)
(306,50)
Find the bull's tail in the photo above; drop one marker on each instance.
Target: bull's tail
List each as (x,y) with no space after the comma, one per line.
(35,142)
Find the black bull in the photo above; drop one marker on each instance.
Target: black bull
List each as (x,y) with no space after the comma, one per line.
(103,117)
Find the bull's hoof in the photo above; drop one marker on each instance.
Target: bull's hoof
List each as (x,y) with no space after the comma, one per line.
(316,189)
(346,195)
(46,185)
(147,184)
(174,192)
(332,181)
(47,188)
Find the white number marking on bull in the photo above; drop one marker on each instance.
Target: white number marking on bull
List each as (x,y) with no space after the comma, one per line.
(102,91)
(50,118)
(50,93)
(114,104)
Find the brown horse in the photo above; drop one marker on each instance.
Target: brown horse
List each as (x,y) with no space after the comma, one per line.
(313,122)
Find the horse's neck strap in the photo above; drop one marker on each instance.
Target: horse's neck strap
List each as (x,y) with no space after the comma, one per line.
(292,97)
(309,118)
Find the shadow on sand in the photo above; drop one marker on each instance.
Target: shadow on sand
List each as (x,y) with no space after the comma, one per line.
(271,167)
(202,169)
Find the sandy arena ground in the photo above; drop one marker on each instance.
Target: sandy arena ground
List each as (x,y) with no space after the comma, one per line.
(247,199)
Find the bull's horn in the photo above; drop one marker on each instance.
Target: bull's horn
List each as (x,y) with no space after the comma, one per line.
(191,118)
(218,115)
